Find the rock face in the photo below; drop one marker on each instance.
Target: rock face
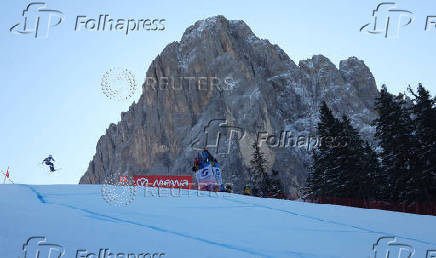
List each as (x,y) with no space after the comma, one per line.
(223,87)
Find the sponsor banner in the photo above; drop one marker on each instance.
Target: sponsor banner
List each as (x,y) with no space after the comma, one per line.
(183,182)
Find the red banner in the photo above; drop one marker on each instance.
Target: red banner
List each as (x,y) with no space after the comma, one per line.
(183,182)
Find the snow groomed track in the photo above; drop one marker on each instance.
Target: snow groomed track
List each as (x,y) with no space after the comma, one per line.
(76,221)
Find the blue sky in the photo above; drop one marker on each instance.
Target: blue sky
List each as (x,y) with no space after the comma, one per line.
(51,100)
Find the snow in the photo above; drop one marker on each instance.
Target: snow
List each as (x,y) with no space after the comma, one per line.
(279,76)
(228,225)
(197,29)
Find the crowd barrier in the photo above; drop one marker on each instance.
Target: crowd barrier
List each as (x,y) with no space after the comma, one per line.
(423,208)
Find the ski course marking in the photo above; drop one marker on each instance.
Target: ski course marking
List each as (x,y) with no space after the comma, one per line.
(103,217)
(331,222)
(38,194)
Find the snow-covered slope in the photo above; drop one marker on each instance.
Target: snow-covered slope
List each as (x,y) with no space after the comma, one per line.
(75,217)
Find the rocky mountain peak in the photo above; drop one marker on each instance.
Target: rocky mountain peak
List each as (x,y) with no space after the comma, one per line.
(355,72)
(257,89)
(215,25)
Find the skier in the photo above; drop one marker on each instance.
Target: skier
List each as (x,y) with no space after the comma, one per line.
(207,172)
(49,162)
(208,158)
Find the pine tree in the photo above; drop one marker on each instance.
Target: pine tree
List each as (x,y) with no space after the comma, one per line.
(275,186)
(351,160)
(375,180)
(394,131)
(258,177)
(323,179)
(424,119)
(346,167)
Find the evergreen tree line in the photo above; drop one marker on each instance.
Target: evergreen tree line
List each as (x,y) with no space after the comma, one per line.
(263,184)
(401,165)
